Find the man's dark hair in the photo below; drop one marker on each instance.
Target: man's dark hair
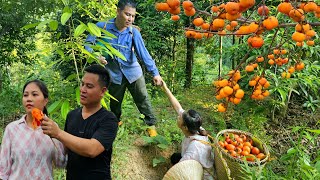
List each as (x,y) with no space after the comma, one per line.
(123,3)
(104,77)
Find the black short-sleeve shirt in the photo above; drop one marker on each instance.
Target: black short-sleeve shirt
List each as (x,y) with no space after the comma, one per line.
(102,126)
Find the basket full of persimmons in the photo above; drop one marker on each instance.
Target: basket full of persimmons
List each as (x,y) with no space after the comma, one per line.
(243,153)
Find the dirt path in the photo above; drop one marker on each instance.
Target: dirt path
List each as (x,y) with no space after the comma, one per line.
(138,163)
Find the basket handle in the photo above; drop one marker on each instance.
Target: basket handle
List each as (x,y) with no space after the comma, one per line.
(208,143)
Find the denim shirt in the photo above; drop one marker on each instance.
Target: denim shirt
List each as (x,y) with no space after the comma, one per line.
(130,68)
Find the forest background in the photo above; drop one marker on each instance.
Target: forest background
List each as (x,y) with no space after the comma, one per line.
(44,40)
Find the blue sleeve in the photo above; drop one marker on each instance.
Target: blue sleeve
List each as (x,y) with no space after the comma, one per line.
(143,53)
(93,39)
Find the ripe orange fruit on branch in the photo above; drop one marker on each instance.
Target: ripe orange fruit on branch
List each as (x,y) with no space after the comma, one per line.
(311,33)
(214,9)
(263,10)
(221,107)
(310,43)
(198,35)
(249,68)
(247,3)
(285,7)
(291,69)
(239,94)
(218,23)
(298,37)
(190,34)
(175,11)
(187,5)
(175,17)
(232,8)
(259,59)
(299,66)
(270,23)
(174,4)
(227,90)
(190,13)
(198,21)
(231,17)
(310,7)
(205,26)
(162,7)
(255,41)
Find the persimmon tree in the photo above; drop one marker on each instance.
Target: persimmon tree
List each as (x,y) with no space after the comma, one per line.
(291,25)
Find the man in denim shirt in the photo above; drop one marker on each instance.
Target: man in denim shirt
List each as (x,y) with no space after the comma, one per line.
(128,74)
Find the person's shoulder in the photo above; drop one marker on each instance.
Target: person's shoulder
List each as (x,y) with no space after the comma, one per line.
(135,29)
(15,123)
(75,111)
(198,139)
(101,24)
(107,114)
(105,23)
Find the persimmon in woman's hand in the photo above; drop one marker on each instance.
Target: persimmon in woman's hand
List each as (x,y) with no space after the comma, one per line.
(37,116)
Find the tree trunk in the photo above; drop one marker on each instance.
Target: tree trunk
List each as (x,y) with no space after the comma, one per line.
(189,62)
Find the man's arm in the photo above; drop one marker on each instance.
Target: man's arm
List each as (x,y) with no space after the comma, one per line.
(144,55)
(84,147)
(173,100)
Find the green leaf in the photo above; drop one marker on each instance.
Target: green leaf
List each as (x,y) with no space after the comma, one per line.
(162,146)
(109,95)
(158,160)
(317,131)
(79,30)
(66,9)
(65,108)
(94,29)
(317,166)
(78,95)
(296,128)
(28,26)
(54,106)
(60,52)
(292,151)
(85,51)
(103,103)
(53,25)
(113,50)
(65,17)
(147,139)
(283,95)
(43,23)
(161,140)
(72,77)
(108,34)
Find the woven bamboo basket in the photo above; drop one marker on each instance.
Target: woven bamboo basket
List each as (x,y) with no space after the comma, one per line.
(236,166)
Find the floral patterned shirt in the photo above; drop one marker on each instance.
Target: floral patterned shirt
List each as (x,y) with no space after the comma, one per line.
(29,154)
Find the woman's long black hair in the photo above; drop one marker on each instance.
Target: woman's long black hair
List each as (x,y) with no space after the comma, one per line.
(193,121)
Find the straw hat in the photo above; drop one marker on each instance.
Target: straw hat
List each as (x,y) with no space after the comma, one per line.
(185,170)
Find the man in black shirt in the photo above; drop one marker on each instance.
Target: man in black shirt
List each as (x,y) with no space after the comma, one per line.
(89,131)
